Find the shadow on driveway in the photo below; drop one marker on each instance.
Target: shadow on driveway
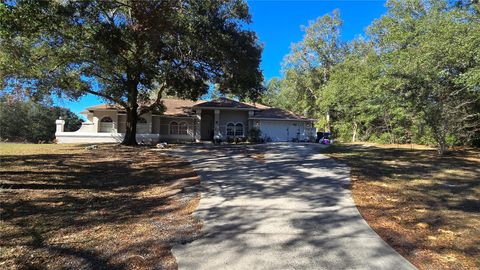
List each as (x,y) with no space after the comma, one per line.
(289,207)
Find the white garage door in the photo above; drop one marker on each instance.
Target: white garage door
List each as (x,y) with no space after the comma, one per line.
(281,131)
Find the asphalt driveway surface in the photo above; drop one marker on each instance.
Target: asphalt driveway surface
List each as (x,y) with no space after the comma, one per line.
(291,209)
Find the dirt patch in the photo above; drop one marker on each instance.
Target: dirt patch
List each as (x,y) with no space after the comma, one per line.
(64,207)
(425,206)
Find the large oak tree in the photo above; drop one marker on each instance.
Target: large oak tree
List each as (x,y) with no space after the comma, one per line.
(124,50)
(415,78)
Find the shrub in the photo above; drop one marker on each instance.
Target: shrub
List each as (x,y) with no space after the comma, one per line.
(239,139)
(254,135)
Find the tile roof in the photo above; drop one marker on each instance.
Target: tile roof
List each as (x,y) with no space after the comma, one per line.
(103,107)
(225,103)
(183,107)
(179,107)
(276,113)
(174,107)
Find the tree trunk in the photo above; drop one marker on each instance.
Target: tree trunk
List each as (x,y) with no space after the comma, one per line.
(132,114)
(131,128)
(442,146)
(354,136)
(328,125)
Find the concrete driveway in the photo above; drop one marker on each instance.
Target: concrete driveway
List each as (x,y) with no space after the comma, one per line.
(293,211)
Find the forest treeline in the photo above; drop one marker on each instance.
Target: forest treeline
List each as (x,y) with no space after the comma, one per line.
(413,78)
(27,120)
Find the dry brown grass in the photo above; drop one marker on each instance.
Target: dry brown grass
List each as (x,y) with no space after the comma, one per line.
(425,206)
(64,207)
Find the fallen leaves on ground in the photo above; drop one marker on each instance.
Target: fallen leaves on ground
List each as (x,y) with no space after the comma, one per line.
(108,208)
(425,206)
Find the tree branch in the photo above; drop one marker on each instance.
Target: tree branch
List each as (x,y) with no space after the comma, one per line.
(156,102)
(118,101)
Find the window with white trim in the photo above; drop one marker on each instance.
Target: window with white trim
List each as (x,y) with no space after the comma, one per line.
(106,125)
(238,130)
(106,119)
(230,129)
(183,128)
(173,128)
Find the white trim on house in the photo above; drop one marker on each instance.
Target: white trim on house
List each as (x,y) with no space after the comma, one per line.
(281,119)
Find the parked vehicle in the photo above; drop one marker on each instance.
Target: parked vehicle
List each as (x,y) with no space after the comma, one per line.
(324,138)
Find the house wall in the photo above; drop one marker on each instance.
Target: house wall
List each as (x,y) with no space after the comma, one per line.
(122,123)
(84,137)
(145,128)
(156,124)
(89,117)
(165,129)
(98,116)
(231,116)
(87,127)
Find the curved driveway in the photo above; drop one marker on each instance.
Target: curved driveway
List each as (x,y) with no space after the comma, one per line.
(293,211)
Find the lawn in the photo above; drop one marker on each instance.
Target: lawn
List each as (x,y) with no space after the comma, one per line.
(65,207)
(425,206)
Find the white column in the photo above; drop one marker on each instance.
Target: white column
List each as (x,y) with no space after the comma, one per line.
(149,119)
(198,125)
(60,125)
(115,124)
(96,124)
(216,123)
(250,121)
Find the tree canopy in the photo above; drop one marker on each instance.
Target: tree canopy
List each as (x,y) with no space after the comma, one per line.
(414,78)
(23,119)
(124,50)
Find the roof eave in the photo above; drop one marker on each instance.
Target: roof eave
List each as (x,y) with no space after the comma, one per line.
(283,119)
(223,108)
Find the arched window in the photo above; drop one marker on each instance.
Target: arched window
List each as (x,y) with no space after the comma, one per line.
(173,127)
(239,130)
(106,125)
(106,119)
(183,128)
(230,129)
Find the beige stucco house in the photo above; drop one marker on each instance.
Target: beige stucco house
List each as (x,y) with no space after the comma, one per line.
(189,121)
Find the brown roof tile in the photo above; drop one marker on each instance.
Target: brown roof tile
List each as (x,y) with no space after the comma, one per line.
(183,107)
(224,103)
(174,107)
(276,113)
(179,107)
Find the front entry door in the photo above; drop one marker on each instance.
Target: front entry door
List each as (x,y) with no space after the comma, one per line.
(206,127)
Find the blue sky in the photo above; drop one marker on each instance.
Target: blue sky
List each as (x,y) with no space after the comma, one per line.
(278,25)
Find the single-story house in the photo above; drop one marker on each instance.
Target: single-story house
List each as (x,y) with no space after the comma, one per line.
(190,121)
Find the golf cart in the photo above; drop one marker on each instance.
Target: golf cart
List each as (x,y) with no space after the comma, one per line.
(324,138)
